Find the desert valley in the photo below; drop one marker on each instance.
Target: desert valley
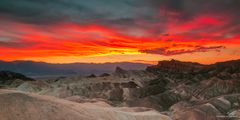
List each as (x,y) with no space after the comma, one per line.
(170,90)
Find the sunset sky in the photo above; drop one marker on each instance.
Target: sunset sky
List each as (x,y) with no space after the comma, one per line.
(98,31)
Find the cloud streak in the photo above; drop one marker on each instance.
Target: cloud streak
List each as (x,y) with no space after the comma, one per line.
(168,52)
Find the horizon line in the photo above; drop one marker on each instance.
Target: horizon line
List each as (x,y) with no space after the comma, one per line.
(135,61)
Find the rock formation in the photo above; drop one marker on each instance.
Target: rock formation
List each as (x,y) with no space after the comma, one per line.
(181,90)
(12,79)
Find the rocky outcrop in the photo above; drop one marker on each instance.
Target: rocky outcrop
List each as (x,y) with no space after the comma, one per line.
(223,70)
(122,85)
(174,66)
(110,90)
(121,72)
(92,76)
(214,109)
(8,75)
(104,75)
(12,79)
(215,87)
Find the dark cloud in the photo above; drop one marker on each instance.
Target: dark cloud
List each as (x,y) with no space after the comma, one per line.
(167,52)
(171,5)
(132,17)
(153,14)
(194,7)
(14,44)
(183,12)
(44,11)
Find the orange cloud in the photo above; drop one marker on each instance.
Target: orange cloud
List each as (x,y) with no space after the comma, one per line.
(27,41)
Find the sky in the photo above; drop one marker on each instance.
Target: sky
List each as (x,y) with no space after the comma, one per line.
(99,31)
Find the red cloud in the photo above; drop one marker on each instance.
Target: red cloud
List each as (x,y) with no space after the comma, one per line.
(33,41)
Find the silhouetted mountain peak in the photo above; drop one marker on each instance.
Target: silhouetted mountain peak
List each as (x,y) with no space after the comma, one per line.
(92,76)
(119,70)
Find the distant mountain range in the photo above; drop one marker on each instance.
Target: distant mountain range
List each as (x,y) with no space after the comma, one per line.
(31,68)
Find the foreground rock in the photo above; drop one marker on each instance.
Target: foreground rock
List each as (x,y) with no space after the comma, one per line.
(25,106)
